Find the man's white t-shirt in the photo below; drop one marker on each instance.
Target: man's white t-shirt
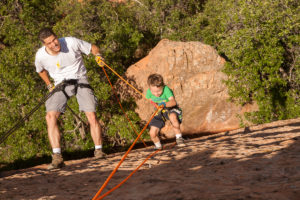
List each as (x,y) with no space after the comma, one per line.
(68,63)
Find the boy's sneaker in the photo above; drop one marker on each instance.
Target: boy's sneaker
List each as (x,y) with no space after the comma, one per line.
(57,161)
(158,148)
(180,142)
(98,153)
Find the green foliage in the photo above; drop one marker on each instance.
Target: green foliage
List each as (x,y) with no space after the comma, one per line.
(262,50)
(259,39)
(168,19)
(20,88)
(121,131)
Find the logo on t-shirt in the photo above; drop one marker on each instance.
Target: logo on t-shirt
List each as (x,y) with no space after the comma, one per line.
(58,65)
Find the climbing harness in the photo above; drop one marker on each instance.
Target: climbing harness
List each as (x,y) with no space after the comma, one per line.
(161,114)
(165,112)
(73,82)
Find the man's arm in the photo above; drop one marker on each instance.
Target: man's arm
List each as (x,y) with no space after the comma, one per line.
(95,50)
(98,57)
(44,75)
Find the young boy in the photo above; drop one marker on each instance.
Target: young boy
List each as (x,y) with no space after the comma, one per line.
(162,96)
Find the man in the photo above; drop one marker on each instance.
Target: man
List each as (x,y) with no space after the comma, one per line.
(62,60)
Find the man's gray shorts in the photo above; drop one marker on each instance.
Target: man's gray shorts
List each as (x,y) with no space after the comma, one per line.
(85,98)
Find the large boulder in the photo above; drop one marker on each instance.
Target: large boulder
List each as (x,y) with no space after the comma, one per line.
(193,71)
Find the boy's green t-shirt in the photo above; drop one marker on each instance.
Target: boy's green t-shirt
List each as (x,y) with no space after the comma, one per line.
(164,97)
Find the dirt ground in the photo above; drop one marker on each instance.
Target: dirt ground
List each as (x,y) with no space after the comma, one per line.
(259,162)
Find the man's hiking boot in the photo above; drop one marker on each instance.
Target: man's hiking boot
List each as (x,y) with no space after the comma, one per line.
(180,142)
(98,153)
(57,161)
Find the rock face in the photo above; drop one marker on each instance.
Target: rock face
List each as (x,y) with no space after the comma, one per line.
(193,71)
(260,163)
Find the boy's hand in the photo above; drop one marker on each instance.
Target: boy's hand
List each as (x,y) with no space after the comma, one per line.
(153,103)
(100,60)
(162,104)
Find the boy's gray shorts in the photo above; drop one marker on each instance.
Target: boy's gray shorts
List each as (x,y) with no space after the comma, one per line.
(85,98)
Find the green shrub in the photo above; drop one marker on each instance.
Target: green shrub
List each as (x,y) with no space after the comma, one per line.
(260,40)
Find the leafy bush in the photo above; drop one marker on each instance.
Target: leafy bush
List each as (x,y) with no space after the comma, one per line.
(260,40)
(261,49)
(21,87)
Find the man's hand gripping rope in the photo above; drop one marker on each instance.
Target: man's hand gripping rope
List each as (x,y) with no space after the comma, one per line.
(100,60)
(50,87)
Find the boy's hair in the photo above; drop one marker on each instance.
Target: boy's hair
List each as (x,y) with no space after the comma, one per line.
(155,80)
(44,33)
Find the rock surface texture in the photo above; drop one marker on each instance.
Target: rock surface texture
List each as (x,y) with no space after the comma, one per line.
(193,71)
(260,163)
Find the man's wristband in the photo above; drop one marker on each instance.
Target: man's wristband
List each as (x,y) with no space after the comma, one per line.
(50,86)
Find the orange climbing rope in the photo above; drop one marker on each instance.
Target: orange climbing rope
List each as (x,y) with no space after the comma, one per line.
(123,158)
(102,64)
(122,79)
(122,182)
(112,87)
(136,169)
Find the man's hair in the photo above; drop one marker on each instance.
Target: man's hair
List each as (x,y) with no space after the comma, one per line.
(155,80)
(44,33)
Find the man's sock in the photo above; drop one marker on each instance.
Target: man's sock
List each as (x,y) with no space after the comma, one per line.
(56,150)
(98,146)
(178,135)
(157,144)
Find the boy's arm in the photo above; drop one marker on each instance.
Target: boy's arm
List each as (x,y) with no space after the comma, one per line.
(171,102)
